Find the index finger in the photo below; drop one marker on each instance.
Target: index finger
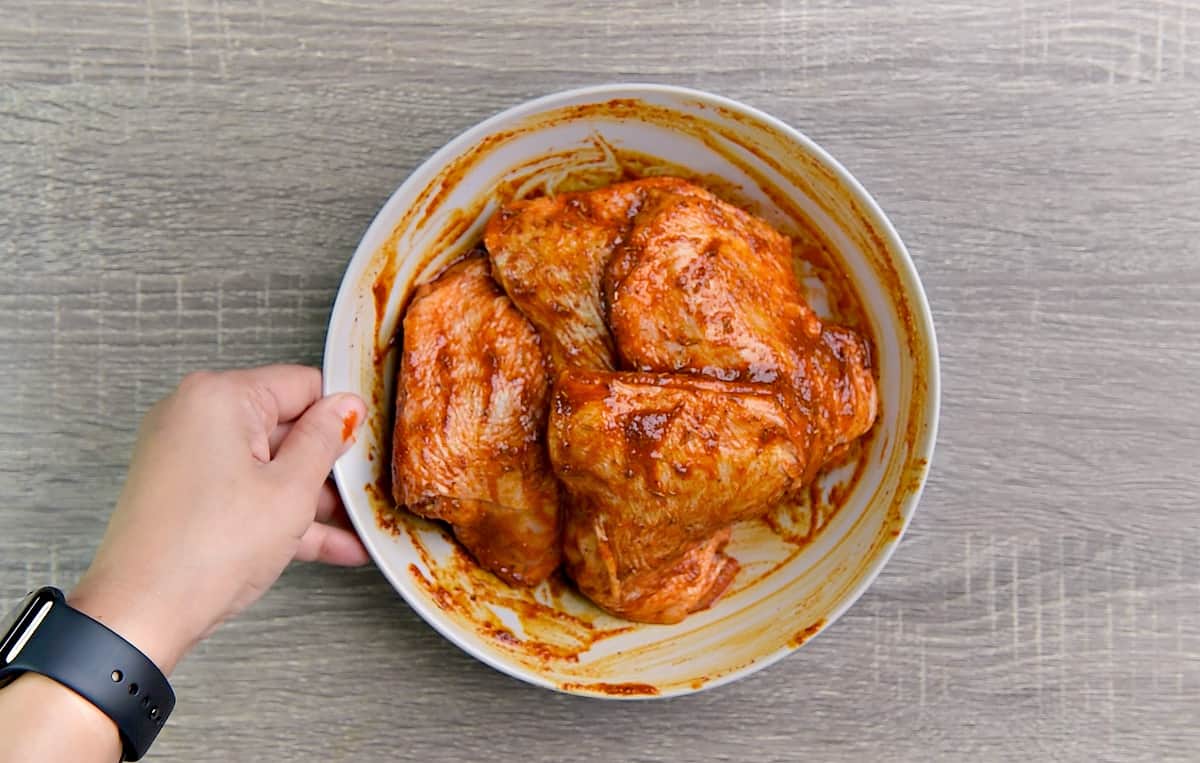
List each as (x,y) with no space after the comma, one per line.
(292,388)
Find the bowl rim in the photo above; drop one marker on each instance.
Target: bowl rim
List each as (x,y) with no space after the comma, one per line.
(924,446)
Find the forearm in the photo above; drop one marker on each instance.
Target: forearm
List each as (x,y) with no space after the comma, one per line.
(40,719)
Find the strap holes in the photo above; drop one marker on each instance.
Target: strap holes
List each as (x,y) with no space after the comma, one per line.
(117,676)
(133,689)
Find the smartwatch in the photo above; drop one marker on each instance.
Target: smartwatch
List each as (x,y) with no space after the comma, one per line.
(46,635)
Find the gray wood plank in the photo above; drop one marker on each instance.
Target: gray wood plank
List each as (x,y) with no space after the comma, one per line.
(182,183)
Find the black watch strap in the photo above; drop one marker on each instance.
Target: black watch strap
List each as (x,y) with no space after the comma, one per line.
(51,638)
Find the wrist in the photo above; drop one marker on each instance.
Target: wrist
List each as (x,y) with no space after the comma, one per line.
(136,616)
(54,723)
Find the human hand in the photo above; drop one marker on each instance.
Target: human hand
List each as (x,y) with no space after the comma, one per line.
(227,485)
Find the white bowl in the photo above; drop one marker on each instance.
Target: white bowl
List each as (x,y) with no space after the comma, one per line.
(787,591)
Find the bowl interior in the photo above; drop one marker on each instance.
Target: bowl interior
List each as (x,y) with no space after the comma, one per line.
(801,568)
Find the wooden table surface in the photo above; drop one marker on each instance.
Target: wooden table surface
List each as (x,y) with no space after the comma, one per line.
(183,181)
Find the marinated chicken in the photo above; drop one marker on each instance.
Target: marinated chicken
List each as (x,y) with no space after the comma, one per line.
(658,466)
(694,388)
(469,440)
(699,286)
(550,254)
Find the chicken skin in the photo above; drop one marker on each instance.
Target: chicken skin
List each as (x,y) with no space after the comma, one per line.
(469,439)
(659,466)
(699,286)
(661,275)
(550,254)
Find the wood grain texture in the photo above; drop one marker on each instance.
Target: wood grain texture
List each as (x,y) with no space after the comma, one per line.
(183,182)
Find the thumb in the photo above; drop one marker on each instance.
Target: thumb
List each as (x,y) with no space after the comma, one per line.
(323,433)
